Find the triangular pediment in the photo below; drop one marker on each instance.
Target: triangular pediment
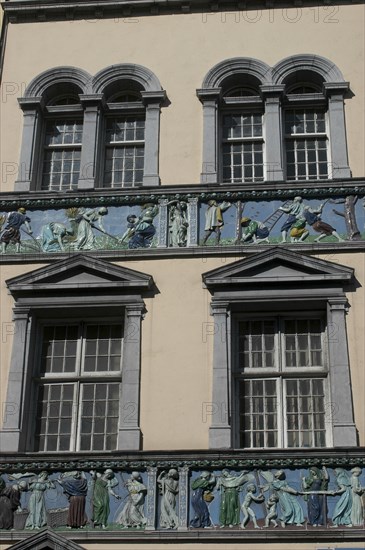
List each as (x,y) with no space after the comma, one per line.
(47,540)
(80,272)
(277,266)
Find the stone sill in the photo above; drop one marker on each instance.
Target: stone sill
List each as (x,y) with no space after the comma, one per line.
(236,252)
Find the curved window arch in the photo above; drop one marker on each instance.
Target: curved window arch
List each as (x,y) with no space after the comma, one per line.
(301,92)
(115,101)
(314,120)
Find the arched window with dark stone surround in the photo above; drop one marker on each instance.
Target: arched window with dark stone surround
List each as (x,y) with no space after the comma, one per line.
(83,132)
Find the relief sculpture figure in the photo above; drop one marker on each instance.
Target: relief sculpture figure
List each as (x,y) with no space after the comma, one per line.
(37,517)
(342,512)
(229,484)
(86,221)
(214,219)
(102,489)
(202,487)
(169,489)
(291,510)
(178,223)
(357,512)
(11,231)
(74,486)
(314,485)
(246,506)
(10,502)
(132,514)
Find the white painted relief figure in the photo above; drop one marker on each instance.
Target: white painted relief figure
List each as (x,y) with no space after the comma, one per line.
(178,223)
(169,488)
(132,514)
(86,221)
(246,506)
(357,512)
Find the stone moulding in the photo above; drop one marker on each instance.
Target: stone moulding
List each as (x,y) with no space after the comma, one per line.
(301,458)
(202,193)
(44,10)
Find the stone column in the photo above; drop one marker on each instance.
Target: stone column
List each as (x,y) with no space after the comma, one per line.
(341,407)
(183,500)
(153,102)
(193,219)
(151,511)
(335,92)
(32,108)
(273,134)
(210,100)
(218,409)
(92,104)
(17,408)
(129,430)
(163,227)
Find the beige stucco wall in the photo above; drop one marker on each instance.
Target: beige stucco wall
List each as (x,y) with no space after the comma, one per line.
(180,49)
(177,347)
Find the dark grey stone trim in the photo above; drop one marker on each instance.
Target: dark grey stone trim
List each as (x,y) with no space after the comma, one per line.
(71,75)
(140,74)
(193,458)
(47,539)
(69,287)
(266,279)
(113,197)
(234,252)
(314,63)
(45,10)
(236,65)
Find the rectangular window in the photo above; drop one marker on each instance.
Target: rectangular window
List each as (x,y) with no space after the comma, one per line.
(78,387)
(306,145)
(280,376)
(124,156)
(62,154)
(242,148)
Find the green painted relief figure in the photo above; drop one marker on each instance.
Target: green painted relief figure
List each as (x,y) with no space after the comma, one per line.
(229,484)
(37,517)
(255,231)
(102,489)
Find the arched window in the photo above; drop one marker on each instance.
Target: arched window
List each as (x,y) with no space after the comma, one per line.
(314,130)
(62,138)
(274,124)
(242,144)
(124,136)
(83,132)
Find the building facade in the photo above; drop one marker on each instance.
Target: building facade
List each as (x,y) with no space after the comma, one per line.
(182,239)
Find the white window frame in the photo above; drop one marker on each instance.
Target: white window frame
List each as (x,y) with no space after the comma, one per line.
(251,140)
(280,373)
